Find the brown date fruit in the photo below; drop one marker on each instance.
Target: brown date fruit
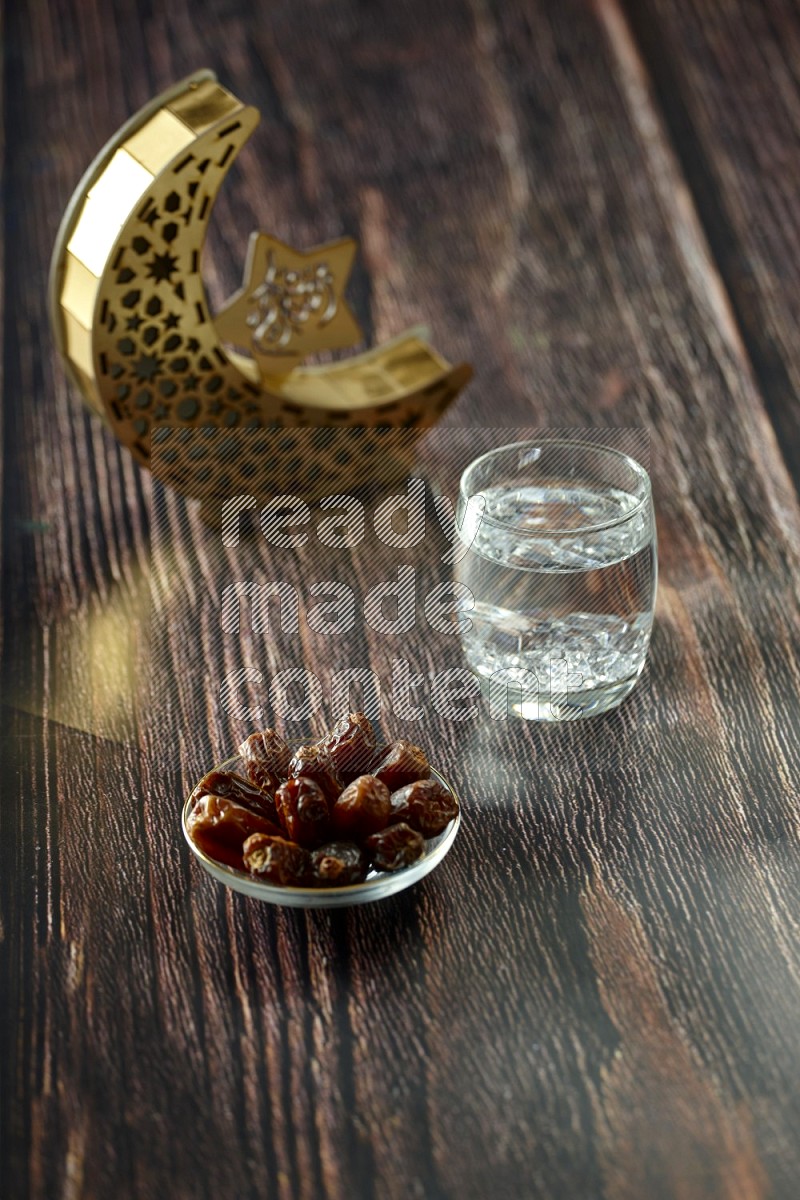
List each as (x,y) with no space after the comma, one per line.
(363,808)
(350,745)
(425,805)
(402,763)
(235,787)
(311,762)
(275,860)
(338,864)
(303,811)
(394,848)
(266,758)
(219,828)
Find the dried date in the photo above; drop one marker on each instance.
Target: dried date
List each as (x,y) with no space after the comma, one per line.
(303,811)
(312,762)
(219,828)
(402,763)
(231,786)
(338,864)
(425,805)
(394,848)
(276,860)
(350,746)
(266,758)
(363,808)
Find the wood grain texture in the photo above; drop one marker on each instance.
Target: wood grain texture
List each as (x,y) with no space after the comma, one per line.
(596,994)
(726,80)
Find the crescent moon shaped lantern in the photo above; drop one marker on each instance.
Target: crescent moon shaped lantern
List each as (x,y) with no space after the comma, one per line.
(133,324)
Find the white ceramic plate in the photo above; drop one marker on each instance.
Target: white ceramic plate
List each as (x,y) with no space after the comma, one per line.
(376,886)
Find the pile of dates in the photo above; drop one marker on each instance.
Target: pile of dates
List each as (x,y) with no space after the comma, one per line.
(324,814)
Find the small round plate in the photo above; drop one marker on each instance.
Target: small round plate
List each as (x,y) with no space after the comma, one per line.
(376,886)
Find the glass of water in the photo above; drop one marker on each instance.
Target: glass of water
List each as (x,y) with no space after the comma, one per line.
(559,555)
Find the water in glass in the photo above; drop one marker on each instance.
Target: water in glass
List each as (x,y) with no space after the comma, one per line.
(563,576)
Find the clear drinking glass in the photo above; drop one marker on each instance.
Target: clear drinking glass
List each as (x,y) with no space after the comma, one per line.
(559,553)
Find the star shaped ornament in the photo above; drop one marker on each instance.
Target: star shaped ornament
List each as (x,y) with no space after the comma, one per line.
(292,303)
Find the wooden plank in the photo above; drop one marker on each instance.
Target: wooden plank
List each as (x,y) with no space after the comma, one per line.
(5,227)
(726,81)
(596,993)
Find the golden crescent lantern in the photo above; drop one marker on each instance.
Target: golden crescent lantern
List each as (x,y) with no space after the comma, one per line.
(131,317)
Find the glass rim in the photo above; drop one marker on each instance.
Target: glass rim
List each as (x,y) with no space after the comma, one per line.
(638,470)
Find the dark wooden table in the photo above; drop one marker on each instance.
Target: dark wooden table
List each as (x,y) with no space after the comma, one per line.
(597,994)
